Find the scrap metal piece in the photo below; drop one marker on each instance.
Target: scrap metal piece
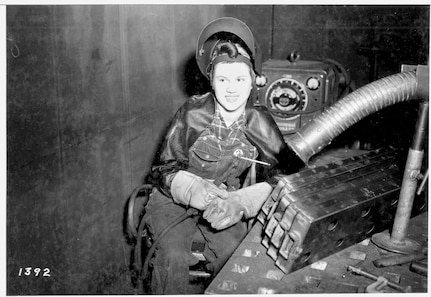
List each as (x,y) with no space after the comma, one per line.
(320,211)
(357,255)
(319,265)
(274,274)
(227,285)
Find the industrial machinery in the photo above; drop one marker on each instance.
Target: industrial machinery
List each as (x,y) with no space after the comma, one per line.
(316,221)
(298,90)
(317,212)
(320,211)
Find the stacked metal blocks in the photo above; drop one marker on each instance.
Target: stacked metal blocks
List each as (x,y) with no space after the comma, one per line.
(320,211)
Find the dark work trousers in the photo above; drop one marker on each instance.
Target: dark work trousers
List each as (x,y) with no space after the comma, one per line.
(173,257)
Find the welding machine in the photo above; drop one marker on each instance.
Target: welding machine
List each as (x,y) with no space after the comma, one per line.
(297,91)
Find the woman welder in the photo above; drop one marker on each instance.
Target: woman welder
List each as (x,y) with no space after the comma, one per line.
(206,155)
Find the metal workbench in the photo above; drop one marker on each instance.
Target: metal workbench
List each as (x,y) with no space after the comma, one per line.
(251,271)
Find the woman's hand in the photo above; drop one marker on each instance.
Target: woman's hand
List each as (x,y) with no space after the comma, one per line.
(244,202)
(225,213)
(192,190)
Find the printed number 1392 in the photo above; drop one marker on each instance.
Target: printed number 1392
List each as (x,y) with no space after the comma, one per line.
(36,271)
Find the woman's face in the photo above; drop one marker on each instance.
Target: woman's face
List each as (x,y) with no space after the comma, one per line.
(232,84)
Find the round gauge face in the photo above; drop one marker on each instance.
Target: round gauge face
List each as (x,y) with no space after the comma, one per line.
(286,95)
(313,83)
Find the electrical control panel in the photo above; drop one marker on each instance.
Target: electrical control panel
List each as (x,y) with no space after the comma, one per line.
(296,92)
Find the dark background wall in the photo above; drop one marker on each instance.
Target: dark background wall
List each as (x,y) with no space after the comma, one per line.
(91,88)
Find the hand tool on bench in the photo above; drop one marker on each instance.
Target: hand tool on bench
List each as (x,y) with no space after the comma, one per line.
(359,271)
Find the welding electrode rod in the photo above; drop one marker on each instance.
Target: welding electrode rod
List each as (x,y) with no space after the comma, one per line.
(423,183)
(375,277)
(255,161)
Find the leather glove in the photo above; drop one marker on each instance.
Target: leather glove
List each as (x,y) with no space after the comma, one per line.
(244,202)
(192,190)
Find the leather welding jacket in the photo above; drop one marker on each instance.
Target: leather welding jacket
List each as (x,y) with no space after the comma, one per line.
(191,120)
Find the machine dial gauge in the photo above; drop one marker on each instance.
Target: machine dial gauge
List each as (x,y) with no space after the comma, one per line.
(286,95)
(313,83)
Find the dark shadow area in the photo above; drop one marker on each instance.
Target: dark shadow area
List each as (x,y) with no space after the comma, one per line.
(194,82)
(392,126)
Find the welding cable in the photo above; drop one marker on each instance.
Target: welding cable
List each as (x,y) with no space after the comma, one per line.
(190,213)
(137,232)
(137,263)
(138,248)
(131,229)
(140,231)
(141,227)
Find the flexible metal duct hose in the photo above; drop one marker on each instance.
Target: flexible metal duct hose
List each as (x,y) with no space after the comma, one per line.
(319,133)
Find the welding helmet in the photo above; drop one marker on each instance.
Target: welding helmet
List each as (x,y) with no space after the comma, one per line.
(228,28)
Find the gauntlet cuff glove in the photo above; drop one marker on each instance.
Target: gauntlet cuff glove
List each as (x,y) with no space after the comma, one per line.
(244,202)
(192,190)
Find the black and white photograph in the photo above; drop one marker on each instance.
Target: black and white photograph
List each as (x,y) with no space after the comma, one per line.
(174,148)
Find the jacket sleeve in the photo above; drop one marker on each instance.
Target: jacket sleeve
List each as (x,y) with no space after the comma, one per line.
(172,155)
(186,126)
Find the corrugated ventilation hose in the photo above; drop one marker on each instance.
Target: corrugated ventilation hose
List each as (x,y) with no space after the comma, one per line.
(319,133)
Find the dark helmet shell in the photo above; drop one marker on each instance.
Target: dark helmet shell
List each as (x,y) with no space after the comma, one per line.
(228,25)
